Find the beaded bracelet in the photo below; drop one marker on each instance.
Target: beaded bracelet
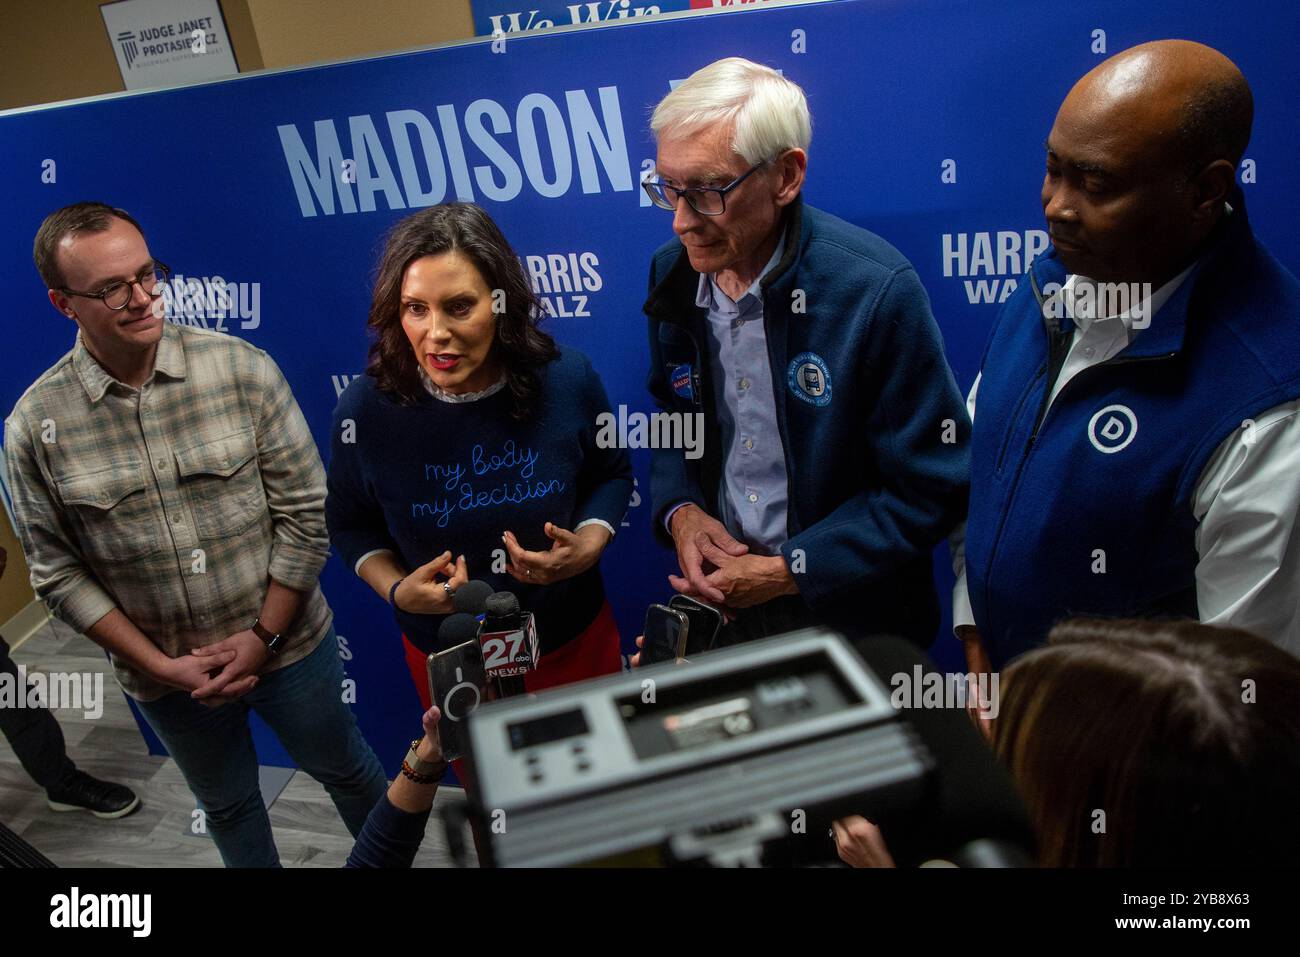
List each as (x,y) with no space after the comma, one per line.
(419,778)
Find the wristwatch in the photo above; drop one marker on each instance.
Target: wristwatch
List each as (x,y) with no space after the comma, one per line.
(421,771)
(274,643)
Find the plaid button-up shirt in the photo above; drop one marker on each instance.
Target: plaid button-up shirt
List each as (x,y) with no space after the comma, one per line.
(174,502)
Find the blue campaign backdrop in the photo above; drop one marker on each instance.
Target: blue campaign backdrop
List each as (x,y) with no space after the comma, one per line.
(929,120)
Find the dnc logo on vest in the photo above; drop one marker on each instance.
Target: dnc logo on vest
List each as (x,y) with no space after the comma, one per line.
(1112,429)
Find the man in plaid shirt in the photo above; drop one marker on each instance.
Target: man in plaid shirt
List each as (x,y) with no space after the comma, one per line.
(169,498)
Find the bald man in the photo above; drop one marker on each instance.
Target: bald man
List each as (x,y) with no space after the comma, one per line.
(1137,447)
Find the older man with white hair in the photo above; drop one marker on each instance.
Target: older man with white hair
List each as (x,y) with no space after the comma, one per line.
(837,445)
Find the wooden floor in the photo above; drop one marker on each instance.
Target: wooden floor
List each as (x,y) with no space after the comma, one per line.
(308,830)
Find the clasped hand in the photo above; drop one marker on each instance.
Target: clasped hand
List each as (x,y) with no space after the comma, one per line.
(571,553)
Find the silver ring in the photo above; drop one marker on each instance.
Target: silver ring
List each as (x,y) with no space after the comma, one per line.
(528,573)
(446,586)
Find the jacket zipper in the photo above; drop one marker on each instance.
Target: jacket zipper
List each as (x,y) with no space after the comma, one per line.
(702,401)
(782,424)
(1048,404)
(1015,417)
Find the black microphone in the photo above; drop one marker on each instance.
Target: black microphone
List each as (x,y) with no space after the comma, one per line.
(470,597)
(974,815)
(509,642)
(456,629)
(501,612)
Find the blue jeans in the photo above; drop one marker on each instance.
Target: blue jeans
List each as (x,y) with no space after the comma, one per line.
(303,704)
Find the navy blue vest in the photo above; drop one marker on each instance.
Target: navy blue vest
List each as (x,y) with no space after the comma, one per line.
(1087,510)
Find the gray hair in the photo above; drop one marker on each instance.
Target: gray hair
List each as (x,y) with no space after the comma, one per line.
(767,112)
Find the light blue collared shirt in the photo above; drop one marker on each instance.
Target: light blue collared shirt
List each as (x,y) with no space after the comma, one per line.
(753,490)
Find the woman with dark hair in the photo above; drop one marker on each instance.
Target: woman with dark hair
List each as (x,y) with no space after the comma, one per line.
(1146,744)
(1186,736)
(468,449)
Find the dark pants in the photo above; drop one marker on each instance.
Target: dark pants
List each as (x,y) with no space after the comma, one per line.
(34,735)
(214,749)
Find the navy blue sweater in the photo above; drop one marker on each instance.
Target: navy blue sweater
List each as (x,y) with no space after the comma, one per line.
(878,462)
(434,475)
(391,837)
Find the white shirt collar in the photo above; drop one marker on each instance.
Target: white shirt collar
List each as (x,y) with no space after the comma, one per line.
(1145,308)
(431,387)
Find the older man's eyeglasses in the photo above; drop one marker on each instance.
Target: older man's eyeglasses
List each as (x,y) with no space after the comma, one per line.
(116,295)
(705,200)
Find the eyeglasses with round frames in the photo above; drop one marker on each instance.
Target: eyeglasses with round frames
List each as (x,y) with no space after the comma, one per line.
(116,295)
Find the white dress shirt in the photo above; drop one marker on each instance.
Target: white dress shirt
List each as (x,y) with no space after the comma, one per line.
(1245,501)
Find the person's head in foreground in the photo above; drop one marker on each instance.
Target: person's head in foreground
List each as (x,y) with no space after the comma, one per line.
(1155,744)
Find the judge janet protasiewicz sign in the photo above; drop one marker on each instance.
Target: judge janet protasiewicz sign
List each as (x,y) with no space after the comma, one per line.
(162,43)
(514,16)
